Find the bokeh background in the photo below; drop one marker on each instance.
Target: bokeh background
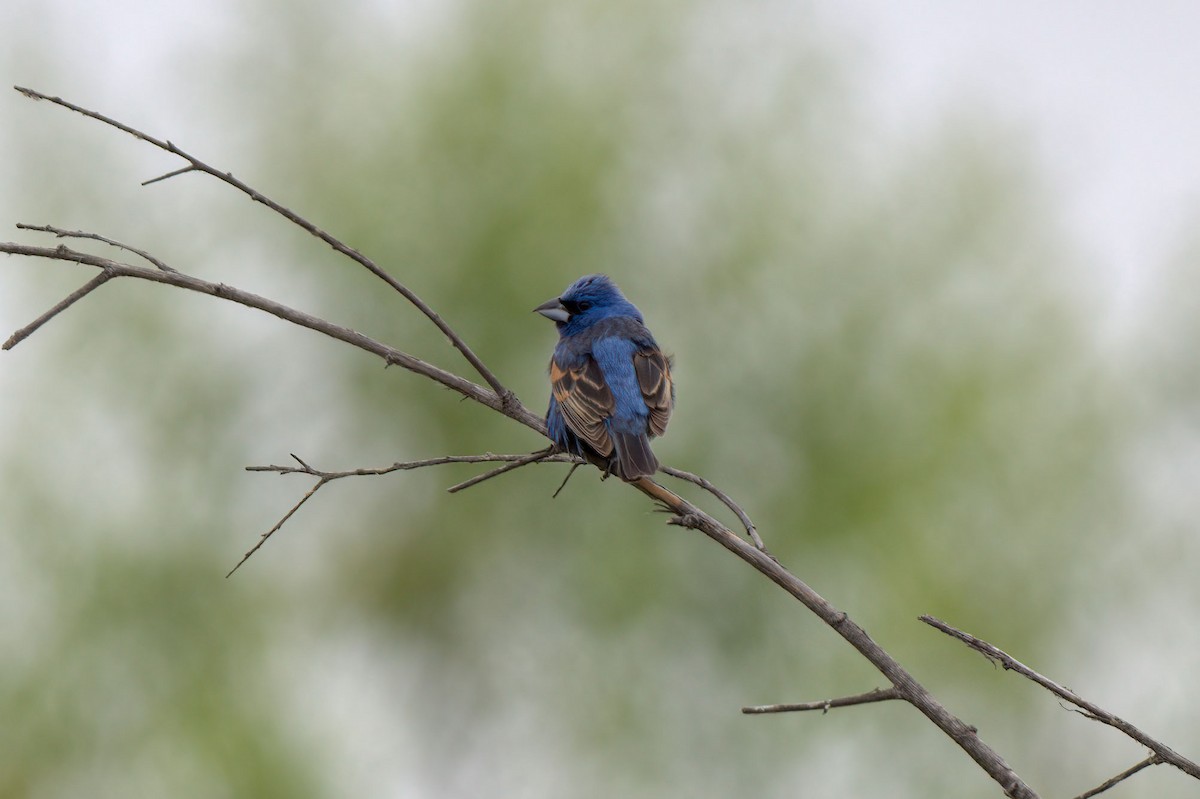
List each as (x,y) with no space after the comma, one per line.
(929,277)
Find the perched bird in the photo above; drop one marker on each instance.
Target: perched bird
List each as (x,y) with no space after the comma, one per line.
(611,389)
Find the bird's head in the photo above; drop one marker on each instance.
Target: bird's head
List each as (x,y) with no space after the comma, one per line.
(585,302)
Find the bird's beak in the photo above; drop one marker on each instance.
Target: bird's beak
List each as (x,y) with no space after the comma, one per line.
(553,309)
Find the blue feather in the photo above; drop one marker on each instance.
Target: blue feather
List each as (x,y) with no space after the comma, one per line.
(601,333)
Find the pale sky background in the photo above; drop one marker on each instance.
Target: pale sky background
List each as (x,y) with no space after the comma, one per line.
(1109,91)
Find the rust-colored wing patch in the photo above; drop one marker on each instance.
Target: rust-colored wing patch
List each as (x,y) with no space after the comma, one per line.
(585,402)
(654,378)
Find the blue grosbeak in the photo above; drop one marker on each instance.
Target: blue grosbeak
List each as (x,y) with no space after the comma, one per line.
(611,388)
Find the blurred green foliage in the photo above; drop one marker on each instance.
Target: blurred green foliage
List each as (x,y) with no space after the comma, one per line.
(881,348)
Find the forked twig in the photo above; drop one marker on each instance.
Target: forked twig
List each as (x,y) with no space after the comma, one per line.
(1093,711)
(324,478)
(196,165)
(390,355)
(725,499)
(80,234)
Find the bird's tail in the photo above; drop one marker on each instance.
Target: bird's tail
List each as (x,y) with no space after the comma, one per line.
(633,456)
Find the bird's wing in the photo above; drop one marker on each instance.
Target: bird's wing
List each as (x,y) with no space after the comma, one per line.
(585,402)
(653,371)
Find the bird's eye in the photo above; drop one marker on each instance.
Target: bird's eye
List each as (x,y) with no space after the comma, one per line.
(584,305)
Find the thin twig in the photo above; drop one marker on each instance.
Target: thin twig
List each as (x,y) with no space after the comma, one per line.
(1153,760)
(183,170)
(72,298)
(540,456)
(262,539)
(505,396)
(743,517)
(563,484)
(997,655)
(80,234)
(399,466)
(874,695)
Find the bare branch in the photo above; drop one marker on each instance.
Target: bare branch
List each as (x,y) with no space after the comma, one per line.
(80,234)
(1153,760)
(874,695)
(512,408)
(173,173)
(996,655)
(911,691)
(696,479)
(72,298)
(196,165)
(563,484)
(324,478)
(510,463)
(262,539)
(541,456)
(400,466)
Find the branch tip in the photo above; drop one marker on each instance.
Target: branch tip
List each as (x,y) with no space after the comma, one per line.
(171,174)
(824,705)
(1086,708)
